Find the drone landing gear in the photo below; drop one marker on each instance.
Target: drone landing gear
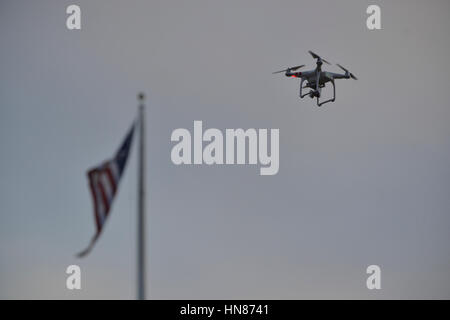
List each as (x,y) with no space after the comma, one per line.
(316,93)
(329,100)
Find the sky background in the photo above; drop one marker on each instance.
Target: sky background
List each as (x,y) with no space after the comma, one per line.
(364,180)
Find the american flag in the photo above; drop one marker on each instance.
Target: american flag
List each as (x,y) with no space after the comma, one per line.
(103,182)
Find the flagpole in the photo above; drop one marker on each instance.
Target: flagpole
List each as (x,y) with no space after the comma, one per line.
(141,203)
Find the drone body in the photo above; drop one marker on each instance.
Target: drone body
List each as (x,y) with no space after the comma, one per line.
(316,79)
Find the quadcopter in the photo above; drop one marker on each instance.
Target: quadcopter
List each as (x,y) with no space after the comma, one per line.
(316,79)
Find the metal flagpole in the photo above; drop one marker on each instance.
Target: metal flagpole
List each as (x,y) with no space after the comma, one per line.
(141,203)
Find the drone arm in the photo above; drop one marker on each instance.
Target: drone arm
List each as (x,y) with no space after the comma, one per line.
(293,74)
(340,76)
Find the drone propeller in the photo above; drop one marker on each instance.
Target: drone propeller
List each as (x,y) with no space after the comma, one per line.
(315,56)
(350,74)
(289,69)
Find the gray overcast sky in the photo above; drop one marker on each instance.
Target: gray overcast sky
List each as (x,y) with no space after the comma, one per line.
(364,180)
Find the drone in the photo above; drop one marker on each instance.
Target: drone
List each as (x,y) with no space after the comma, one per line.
(316,79)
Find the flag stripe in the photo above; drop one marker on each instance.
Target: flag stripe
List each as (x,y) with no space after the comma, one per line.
(96,213)
(106,186)
(98,197)
(103,197)
(111,179)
